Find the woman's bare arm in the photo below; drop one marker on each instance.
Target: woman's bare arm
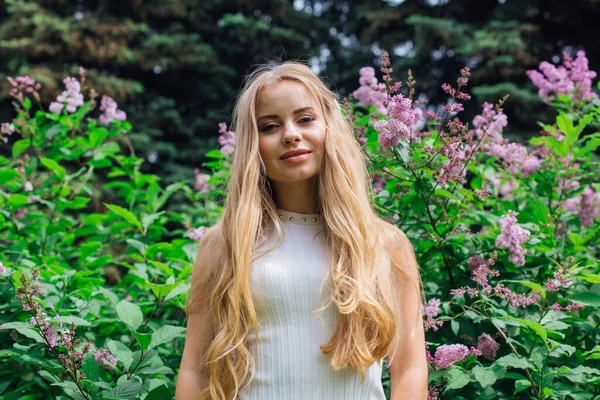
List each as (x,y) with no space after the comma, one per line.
(408,370)
(193,374)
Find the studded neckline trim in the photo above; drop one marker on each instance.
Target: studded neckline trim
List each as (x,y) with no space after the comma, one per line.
(289,217)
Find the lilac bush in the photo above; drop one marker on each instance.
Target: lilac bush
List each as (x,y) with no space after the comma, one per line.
(505,232)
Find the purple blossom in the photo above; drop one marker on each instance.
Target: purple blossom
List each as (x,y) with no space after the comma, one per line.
(2,269)
(197,233)
(22,85)
(512,237)
(430,311)
(449,354)
(6,129)
(370,92)
(516,299)
(105,359)
(480,271)
(398,126)
(110,112)
(488,346)
(200,181)
(587,205)
(226,139)
(573,78)
(71,99)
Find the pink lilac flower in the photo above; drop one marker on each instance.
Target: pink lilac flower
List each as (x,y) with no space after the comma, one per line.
(449,354)
(6,129)
(105,359)
(587,205)
(512,238)
(398,126)
(488,346)
(197,233)
(570,307)
(23,85)
(370,92)
(28,186)
(200,181)
(516,299)
(110,112)
(561,279)
(480,271)
(430,311)
(226,139)
(433,394)
(71,99)
(2,269)
(572,78)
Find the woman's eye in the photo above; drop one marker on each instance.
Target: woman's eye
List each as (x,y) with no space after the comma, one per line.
(267,128)
(307,120)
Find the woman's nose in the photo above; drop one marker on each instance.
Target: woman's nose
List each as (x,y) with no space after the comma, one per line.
(291,133)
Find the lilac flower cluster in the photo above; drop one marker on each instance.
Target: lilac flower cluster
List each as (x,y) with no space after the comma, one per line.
(226,139)
(512,238)
(398,126)
(201,181)
(449,354)
(430,311)
(587,205)
(110,112)
(70,99)
(105,359)
(2,269)
(6,129)
(22,86)
(480,274)
(197,233)
(370,92)
(573,78)
(571,306)
(487,346)
(53,335)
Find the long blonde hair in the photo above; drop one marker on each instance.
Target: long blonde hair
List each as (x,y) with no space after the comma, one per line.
(365,293)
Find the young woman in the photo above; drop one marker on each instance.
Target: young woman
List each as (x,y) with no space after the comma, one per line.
(301,289)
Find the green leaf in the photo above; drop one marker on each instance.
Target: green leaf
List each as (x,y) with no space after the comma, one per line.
(161,291)
(121,352)
(159,393)
(181,289)
(143,339)
(69,320)
(90,367)
(590,278)
(455,326)
(19,147)
(15,325)
(484,376)
(18,200)
(125,390)
(165,334)
(456,378)
(7,175)
(534,326)
(586,298)
(513,361)
(521,385)
(130,313)
(53,166)
(215,153)
(149,219)
(128,215)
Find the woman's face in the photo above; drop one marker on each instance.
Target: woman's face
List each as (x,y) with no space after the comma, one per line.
(289,118)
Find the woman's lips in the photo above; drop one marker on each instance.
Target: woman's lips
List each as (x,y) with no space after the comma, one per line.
(296,159)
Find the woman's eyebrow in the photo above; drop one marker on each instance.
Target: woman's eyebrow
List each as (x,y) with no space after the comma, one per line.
(295,112)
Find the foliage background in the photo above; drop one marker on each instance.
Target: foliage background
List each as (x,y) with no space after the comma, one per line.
(175,66)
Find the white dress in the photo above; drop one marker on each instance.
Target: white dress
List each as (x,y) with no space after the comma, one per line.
(285,284)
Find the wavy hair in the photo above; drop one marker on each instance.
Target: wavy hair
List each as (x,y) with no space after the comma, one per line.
(364,272)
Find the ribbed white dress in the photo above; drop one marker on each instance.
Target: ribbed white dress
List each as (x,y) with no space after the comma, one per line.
(286,288)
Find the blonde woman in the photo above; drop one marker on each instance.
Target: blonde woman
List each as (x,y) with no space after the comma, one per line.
(301,289)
